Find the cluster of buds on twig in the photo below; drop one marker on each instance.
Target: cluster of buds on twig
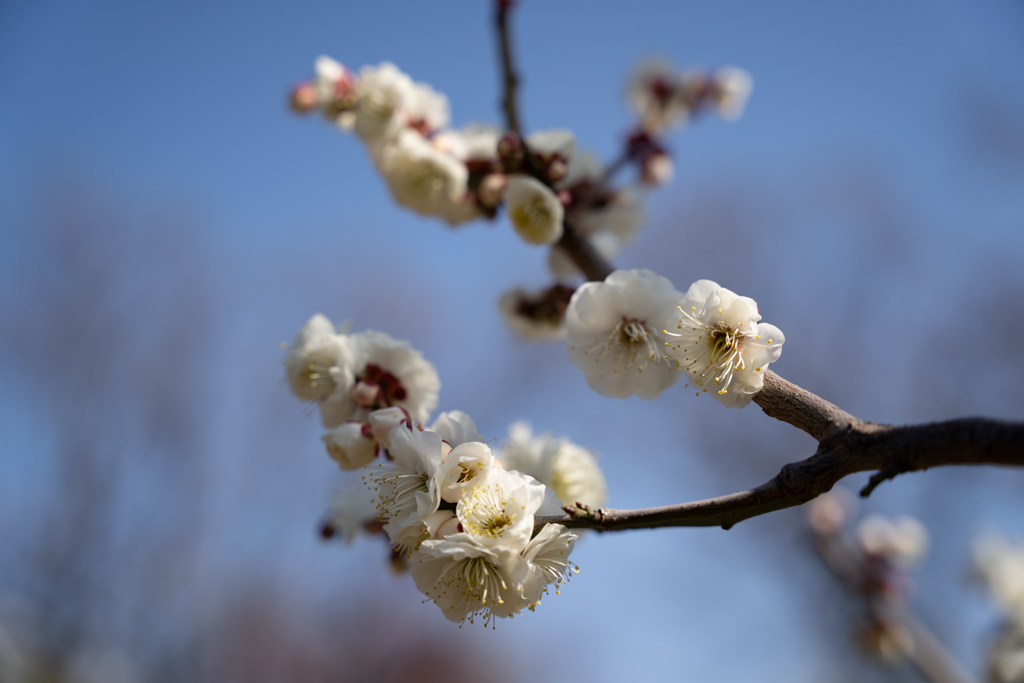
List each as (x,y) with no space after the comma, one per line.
(662,97)
(541,180)
(458,518)
(873,562)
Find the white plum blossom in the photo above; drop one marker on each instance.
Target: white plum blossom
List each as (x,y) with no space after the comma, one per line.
(662,98)
(426,179)
(1006,658)
(389,101)
(571,471)
(397,372)
(534,210)
(352,509)
(407,489)
(475,142)
(731,89)
(483,562)
(383,421)
(549,143)
(498,510)
(319,362)
(902,541)
(465,467)
(456,428)
(653,94)
(720,345)
(615,333)
(351,445)
(466,579)
(1000,565)
(328,73)
(351,375)
(547,556)
(537,316)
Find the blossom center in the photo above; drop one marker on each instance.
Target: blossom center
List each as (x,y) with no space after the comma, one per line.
(388,387)
(477,581)
(317,373)
(630,344)
(708,350)
(489,511)
(531,215)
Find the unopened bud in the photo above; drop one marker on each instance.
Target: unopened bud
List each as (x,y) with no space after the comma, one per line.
(366,393)
(399,564)
(510,149)
(304,98)
(557,170)
(657,170)
(452,526)
(491,189)
(828,513)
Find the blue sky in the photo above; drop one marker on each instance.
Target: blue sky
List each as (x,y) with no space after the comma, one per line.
(860,111)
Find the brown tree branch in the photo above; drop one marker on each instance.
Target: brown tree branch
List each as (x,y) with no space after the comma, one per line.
(511,78)
(846,446)
(583,254)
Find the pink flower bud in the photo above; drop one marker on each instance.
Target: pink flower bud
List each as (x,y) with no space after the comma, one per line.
(557,170)
(491,189)
(303,98)
(452,526)
(657,170)
(366,394)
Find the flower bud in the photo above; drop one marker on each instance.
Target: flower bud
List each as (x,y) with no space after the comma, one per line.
(349,447)
(534,210)
(557,170)
(366,393)
(657,170)
(383,421)
(491,189)
(452,526)
(510,151)
(303,98)
(829,512)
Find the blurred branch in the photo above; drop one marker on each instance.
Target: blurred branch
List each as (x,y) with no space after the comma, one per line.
(583,254)
(511,79)
(846,446)
(912,639)
(928,655)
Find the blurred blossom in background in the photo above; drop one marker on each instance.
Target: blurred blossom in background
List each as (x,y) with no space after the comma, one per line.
(166,223)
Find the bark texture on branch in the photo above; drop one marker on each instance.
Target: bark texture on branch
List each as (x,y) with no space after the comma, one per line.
(846,446)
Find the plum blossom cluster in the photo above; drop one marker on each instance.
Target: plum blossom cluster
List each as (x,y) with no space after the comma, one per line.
(347,377)
(455,516)
(457,174)
(635,334)
(873,561)
(662,97)
(569,470)
(999,563)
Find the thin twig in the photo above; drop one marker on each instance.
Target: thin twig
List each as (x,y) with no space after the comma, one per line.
(511,78)
(846,446)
